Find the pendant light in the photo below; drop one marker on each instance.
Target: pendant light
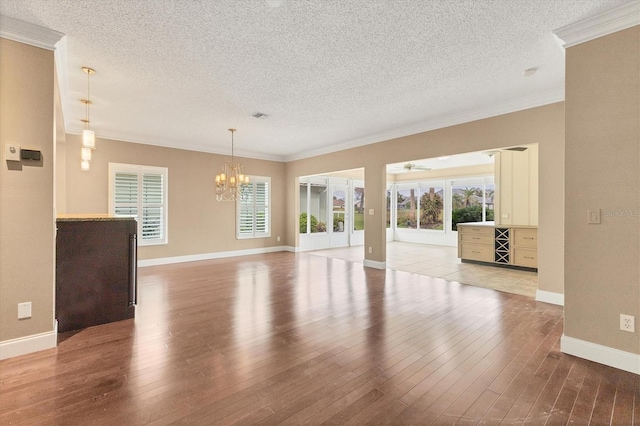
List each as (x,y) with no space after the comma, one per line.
(231,184)
(88,136)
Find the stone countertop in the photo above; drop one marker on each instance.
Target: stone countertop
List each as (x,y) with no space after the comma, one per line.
(83,217)
(487,224)
(493,225)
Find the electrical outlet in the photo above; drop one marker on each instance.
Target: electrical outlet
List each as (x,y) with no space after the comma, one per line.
(278,238)
(627,323)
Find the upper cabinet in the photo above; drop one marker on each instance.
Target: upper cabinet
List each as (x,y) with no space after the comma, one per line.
(516,174)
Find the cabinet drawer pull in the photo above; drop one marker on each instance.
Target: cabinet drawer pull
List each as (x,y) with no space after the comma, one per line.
(474,251)
(529,238)
(475,238)
(529,257)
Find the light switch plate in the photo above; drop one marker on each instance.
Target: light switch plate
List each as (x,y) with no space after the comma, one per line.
(24,310)
(370,212)
(593,216)
(11,152)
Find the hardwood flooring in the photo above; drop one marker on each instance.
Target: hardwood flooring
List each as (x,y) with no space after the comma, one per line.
(297,339)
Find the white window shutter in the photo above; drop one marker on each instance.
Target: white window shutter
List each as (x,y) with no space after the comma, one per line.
(141,192)
(152,204)
(253,210)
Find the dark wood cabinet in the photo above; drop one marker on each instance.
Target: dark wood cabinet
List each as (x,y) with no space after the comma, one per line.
(95,271)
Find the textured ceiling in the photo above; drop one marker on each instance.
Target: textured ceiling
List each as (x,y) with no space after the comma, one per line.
(330,73)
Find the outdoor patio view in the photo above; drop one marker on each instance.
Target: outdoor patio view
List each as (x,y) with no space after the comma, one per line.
(471,204)
(358,209)
(324,206)
(420,208)
(422,205)
(313,208)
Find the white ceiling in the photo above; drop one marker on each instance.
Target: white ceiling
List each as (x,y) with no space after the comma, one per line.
(330,73)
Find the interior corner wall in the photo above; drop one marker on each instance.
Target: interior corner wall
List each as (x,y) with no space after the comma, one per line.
(602,261)
(198,224)
(60,167)
(26,190)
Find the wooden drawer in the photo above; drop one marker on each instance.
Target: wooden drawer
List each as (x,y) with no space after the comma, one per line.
(483,230)
(479,252)
(476,238)
(525,237)
(525,257)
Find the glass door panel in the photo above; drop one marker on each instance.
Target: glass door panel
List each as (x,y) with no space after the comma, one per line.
(340,215)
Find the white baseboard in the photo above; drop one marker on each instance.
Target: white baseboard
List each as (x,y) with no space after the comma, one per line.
(616,358)
(374,264)
(209,256)
(26,345)
(550,297)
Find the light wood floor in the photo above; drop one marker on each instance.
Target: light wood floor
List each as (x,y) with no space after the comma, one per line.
(296,339)
(443,262)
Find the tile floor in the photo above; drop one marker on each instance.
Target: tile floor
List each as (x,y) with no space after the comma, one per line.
(443,262)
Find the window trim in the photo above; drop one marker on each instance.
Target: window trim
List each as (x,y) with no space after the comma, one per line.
(139,170)
(253,180)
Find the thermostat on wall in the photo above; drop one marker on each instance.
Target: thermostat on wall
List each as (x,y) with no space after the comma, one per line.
(29,154)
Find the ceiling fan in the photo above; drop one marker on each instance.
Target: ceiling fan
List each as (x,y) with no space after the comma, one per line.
(413,166)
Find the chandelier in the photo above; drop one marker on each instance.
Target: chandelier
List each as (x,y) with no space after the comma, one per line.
(231,184)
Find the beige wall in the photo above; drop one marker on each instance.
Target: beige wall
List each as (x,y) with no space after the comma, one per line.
(26,190)
(543,126)
(602,276)
(198,224)
(357,174)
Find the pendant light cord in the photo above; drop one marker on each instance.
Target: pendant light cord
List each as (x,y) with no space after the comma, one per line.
(88,98)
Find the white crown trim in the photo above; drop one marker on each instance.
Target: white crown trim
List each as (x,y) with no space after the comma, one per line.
(31,34)
(526,102)
(614,20)
(73,129)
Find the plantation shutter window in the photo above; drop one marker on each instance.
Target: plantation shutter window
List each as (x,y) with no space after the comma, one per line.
(152,206)
(254,219)
(140,192)
(126,194)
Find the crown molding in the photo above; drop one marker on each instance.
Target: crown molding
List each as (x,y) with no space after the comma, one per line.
(31,34)
(121,137)
(532,101)
(614,20)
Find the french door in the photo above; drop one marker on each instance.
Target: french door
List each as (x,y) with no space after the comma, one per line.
(341,223)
